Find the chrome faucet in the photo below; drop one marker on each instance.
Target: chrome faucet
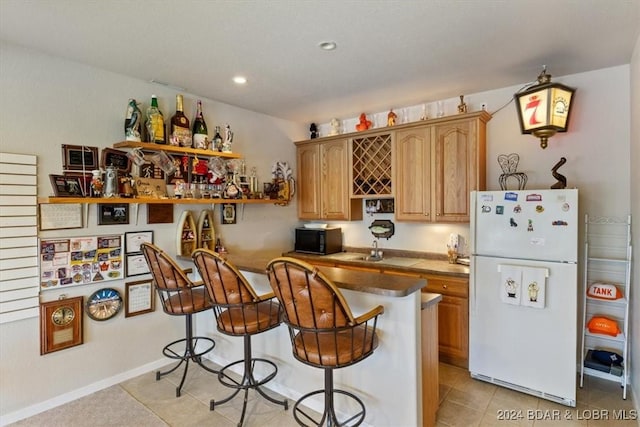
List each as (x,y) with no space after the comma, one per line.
(375,253)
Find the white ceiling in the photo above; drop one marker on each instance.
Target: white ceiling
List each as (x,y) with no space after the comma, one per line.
(390,53)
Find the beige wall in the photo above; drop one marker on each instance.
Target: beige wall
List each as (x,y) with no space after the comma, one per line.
(47,102)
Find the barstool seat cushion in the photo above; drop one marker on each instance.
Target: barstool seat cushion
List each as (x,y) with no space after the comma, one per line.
(187,301)
(335,348)
(249,318)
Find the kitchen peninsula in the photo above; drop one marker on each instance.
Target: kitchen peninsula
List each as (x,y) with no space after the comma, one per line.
(389,382)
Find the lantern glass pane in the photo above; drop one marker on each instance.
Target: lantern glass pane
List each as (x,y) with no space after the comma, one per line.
(533,110)
(561,100)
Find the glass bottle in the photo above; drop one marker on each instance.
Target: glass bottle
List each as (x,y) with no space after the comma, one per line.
(232,189)
(217,140)
(132,122)
(180,131)
(155,122)
(200,135)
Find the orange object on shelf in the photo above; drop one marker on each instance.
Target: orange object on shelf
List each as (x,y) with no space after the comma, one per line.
(605,291)
(364,123)
(603,325)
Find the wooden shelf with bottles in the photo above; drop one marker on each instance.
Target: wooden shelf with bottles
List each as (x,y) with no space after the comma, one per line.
(148,146)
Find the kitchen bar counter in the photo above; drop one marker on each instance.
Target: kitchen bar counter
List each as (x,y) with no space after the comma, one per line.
(390,381)
(361,281)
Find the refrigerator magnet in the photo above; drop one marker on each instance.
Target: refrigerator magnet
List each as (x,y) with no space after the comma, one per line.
(510,195)
(499,210)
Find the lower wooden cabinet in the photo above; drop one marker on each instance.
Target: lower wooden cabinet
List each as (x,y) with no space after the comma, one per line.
(453,318)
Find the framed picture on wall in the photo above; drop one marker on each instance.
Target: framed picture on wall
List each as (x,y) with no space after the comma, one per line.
(139,298)
(133,240)
(79,158)
(113,213)
(66,186)
(228,213)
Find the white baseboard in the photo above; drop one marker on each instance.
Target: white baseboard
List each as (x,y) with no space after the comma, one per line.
(81,392)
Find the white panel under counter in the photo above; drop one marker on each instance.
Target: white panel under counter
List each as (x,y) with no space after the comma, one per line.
(389,382)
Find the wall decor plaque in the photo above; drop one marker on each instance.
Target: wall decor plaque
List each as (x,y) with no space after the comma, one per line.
(60,324)
(116,158)
(66,186)
(139,298)
(79,157)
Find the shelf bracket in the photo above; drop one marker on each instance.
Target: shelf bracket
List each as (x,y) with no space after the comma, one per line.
(135,212)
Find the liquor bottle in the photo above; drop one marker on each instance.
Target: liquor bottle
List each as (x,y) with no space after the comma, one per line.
(155,122)
(200,135)
(180,131)
(132,121)
(217,140)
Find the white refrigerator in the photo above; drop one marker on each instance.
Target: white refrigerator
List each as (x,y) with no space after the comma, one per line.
(523,291)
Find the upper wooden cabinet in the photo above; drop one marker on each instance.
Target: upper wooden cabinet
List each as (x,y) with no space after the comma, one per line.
(430,167)
(323,182)
(437,166)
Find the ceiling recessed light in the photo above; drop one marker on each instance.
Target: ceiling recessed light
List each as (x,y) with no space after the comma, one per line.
(328,45)
(240,80)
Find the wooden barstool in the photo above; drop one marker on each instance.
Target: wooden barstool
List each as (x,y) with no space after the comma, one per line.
(323,332)
(180,297)
(239,311)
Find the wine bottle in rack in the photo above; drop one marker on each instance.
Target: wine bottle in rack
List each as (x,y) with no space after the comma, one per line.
(200,135)
(180,131)
(155,122)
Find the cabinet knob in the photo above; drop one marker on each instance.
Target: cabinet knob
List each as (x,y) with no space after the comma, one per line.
(427,214)
(437,214)
(444,286)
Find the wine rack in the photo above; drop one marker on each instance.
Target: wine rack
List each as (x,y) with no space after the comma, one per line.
(371,164)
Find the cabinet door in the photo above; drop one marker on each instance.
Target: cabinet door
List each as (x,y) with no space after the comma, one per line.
(334,184)
(413,174)
(453,318)
(453,331)
(460,163)
(308,185)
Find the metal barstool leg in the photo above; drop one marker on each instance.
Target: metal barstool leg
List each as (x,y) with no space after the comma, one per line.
(189,354)
(248,381)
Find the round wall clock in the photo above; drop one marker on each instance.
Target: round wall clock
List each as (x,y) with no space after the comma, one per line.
(63,316)
(104,304)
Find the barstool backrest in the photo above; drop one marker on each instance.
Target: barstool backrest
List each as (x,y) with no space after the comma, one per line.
(310,299)
(225,284)
(172,284)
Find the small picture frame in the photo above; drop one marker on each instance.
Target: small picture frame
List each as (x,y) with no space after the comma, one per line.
(59,216)
(116,158)
(113,213)
(228,213)
(66,186)
(85,179)
(149,170)
(133,240)
(139,298)
(150,188)
(79,158)
(136,265)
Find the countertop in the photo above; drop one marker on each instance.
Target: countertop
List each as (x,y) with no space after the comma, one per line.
(428,299)
(392,261)
(362,281)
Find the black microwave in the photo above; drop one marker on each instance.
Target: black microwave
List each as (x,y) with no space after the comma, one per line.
(322,241)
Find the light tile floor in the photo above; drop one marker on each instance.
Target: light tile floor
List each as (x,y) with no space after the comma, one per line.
(463,402)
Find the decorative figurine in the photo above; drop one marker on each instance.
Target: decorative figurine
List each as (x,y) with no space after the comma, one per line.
(462,107)
(96,183)
(509,165)
(562,181)
(313,131)
(391,118)
(424,115)
(132,122)
(228,139)
(335,127)
(364,123)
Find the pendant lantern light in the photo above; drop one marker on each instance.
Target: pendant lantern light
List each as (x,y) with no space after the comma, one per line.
(543,109)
